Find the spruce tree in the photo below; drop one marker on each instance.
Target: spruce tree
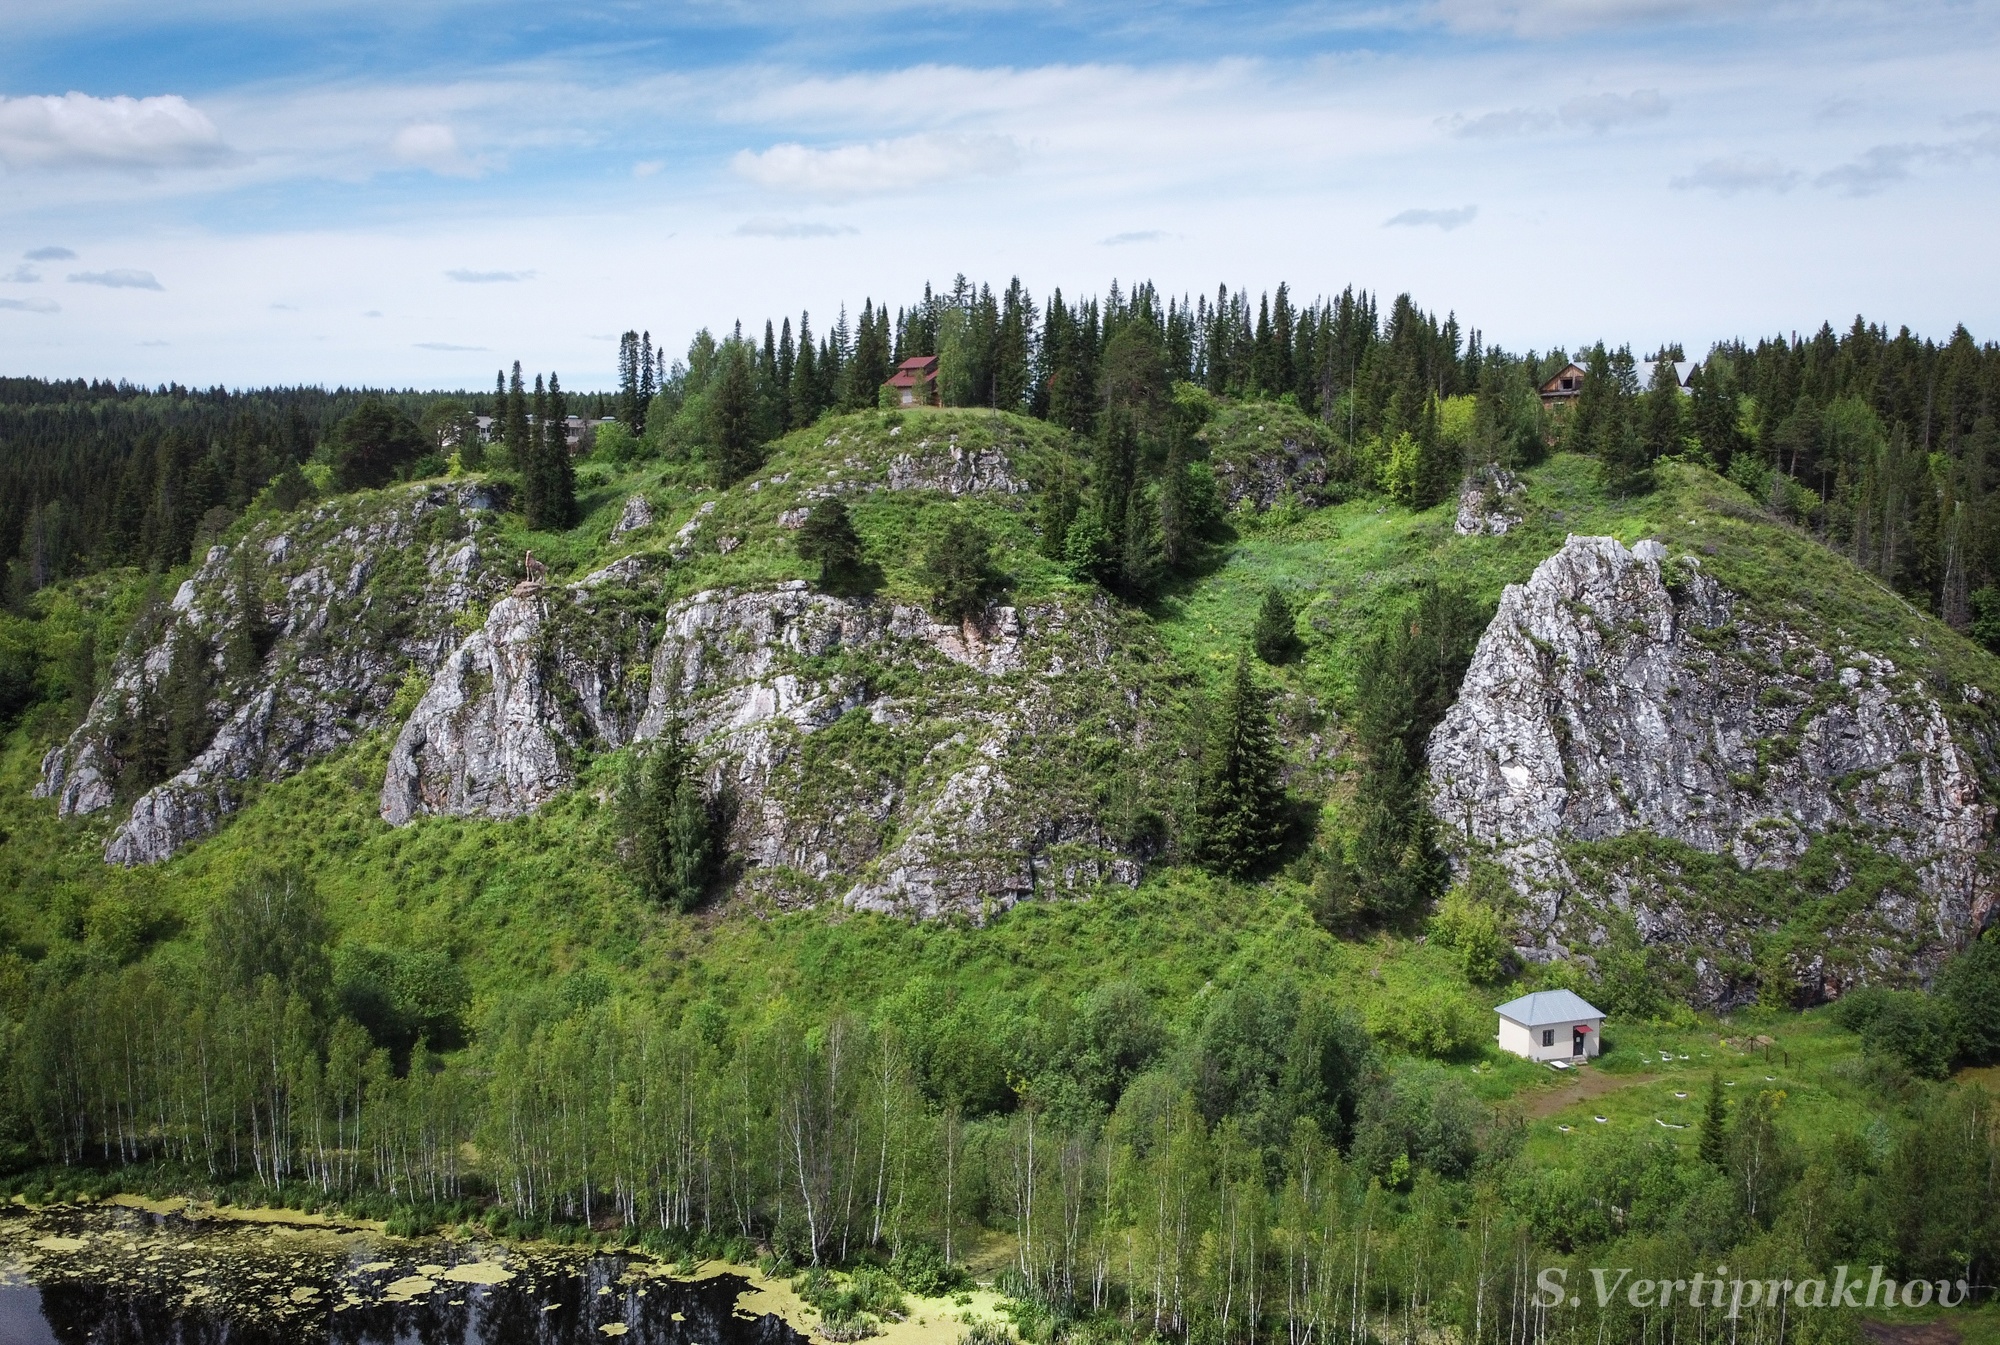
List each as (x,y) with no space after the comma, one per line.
(1240,797)
(516,435)
(1714,1140)
(243,649)
(528,460)
(829,540)
(958,567)
(551,499)
(1275,636)
(672,827)
(733,417)
(805,393)
(184,699)
(1139,549)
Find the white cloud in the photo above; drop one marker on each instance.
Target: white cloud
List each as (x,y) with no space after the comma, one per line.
(877,166)
(1133,236)
(780,228)
(434,146)
(1539,18)
(22,275)
(1741,173)
(465,277)
(50,255)
(79,131)
(30,306)
(122,278)
(1495,125)
(648,167)
(444,345)
(1878,168)
(1602,111)
(1447,219)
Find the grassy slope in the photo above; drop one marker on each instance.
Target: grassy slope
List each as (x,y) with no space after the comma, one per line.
(528,905)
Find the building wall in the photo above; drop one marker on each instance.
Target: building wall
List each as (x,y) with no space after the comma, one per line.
(1527,1042)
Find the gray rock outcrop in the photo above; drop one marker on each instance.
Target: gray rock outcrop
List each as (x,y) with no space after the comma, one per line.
(929,803)
(637,514)
(1488,503)
(1619,691)
(352,593)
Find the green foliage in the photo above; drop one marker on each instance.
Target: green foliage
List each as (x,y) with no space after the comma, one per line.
(1969,988)
(919,1266)
(1918,1031)
(402,996)
(1423,1115)
(272,924)
(1469,922)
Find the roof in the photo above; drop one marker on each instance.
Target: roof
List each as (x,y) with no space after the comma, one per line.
(1548,1006)
(1681,368)
(1548,384)
(910,371)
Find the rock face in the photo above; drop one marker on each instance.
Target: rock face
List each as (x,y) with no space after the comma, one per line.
(1263,477)
(1486,503)
(956,802)
(1621,692)
(352,594)
(637,514)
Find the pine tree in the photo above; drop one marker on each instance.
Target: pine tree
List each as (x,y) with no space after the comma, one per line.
(828,539)
(806,404)
(1714,1139)
(958,567)
(1275,637)
(628,380)
(1240,798)
(528,460)
(1662,412)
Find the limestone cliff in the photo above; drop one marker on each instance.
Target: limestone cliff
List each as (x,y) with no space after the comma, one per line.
(873,754)
(1619,692)
(351,593)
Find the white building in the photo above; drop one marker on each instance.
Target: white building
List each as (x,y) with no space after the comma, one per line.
(1551,1025)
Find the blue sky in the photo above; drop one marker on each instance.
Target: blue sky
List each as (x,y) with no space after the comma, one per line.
(415,192)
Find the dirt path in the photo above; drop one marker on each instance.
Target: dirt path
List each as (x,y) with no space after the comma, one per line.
(1588,1084)
(1910,1333)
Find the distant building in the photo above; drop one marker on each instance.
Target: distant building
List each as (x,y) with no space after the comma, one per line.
(1566,385)
(1551,1025)
(915,382)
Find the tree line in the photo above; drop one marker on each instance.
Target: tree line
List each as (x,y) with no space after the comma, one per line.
(1259,1172)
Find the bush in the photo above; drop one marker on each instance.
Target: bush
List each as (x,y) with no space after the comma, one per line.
(1912,1028)
(920,1267)
(1474,930)
(1969,987)
(1275,636)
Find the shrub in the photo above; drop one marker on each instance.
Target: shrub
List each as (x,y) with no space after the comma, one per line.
(958,567)
(920,1267)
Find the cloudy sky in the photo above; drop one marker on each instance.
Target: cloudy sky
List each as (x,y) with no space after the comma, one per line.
(413,191)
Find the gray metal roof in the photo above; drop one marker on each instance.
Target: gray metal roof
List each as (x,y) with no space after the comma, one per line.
(1548,1006)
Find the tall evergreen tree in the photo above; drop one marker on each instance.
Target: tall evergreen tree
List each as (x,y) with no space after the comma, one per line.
(516,435)
(1275,636)
(828,539)
(552,502)
(1240,797)
(1714,1134)
(733,416)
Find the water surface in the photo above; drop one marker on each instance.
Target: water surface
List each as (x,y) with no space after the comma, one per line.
(124,1276)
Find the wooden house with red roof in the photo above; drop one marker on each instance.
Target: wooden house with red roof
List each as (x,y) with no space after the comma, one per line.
(915,382)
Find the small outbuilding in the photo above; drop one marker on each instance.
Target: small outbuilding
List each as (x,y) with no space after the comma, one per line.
(1551,1025)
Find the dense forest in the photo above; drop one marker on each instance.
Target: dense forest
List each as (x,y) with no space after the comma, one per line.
(1879,444)
(1253,1162)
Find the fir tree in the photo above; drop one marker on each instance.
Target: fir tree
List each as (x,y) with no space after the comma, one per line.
(1662,412)
(184,699)
(1275,637)
(1240,798)
(1139,548)
(828,539)
(528,460)
(806,404)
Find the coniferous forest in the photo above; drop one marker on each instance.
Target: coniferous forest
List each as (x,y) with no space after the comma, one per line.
(1241,1098)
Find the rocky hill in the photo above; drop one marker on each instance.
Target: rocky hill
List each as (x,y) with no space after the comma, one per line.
(1627,693)
(1704,741)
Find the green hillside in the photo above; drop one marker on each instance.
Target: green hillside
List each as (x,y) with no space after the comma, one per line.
(506,986)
